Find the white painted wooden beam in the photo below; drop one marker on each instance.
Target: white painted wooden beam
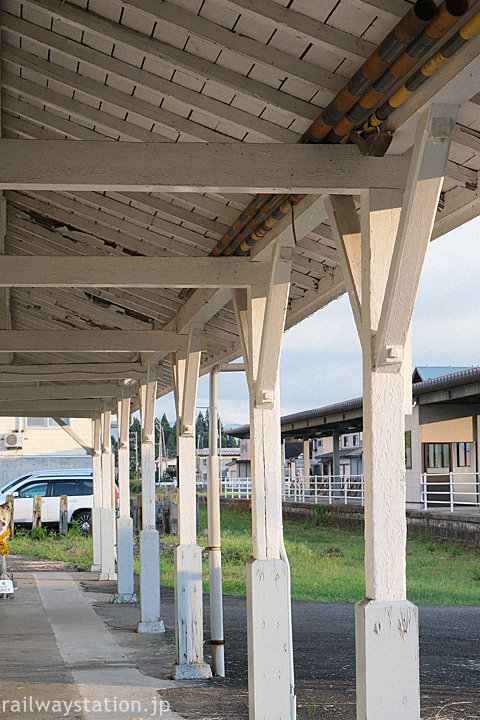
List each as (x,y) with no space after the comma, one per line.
(189,167)
(64,372)
(73,412)
(141,78)
(273,324)
(198,26)
(300,26)
(51,408)
(110,125)
(459,206)
(347,233)
(200,308)
(88,448)
(130,272)
(169,124)
(157,50)
(192,367)
(79,341)
(419,208)
(60,392)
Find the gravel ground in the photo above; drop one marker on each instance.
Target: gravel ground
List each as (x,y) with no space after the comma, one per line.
(325,662)
(324,656)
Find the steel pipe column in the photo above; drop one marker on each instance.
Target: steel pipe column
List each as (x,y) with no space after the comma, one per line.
(214,532)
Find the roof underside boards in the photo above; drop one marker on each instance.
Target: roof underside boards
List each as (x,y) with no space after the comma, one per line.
(184,71)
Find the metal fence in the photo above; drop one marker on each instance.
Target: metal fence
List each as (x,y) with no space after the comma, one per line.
(345,489)
(454,489)
(449,490)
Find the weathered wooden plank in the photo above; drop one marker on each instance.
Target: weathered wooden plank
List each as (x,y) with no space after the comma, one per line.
(188,167)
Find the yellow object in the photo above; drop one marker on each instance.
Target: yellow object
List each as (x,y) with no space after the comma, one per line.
(471,27)
(3,542)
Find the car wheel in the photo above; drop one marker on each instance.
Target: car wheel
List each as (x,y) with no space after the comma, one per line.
(84,519)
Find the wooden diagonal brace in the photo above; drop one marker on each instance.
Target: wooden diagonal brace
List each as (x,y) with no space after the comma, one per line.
(88,448)
(424,183)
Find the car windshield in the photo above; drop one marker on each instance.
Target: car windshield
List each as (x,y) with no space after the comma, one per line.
(14,482)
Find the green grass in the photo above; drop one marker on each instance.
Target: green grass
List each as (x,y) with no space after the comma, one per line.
(41,544)
(326,564)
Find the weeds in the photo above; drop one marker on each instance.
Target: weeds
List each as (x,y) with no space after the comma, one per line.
(326,564)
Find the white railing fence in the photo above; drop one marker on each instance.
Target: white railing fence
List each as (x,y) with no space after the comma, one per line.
(454,489)
(345,489)
(450,490)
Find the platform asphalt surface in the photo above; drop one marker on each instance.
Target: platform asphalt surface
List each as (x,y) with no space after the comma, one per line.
(324,642)
(325,658)
(38,649)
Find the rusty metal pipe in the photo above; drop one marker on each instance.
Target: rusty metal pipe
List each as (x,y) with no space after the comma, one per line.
(236,240)
(388,50)
(374,66)
(447,16)
(462,36)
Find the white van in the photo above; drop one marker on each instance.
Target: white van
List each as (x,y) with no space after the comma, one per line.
(77,485)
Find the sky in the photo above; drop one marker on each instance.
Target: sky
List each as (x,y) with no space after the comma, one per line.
(321,359)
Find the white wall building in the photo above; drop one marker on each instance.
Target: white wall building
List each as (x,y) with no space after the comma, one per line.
(29,444)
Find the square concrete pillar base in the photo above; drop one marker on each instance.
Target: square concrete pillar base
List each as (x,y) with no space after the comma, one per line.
(388,685)
(193,671)
(125,557)
(151,627)
(189,614)
(124,598)
(107,576)
(107,544)
(95,568)
(268,635)
(150,583)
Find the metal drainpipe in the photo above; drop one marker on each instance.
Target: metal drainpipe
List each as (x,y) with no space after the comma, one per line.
(293,697)
(214,533)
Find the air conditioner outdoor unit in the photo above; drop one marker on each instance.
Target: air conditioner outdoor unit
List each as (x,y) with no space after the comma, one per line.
(13,440)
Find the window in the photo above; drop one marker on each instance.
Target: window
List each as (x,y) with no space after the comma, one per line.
(408,450)
(85,486)
(463,454)
(14,482)
(345,441)
(355,439)
(43,422)
(63,487)
(31,489)
(438,455)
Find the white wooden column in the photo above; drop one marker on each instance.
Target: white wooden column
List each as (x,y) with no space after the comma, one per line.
(125,586)
(107,519)
(149,539)
(188,555)
(97,495)
(260,315)
(382,261)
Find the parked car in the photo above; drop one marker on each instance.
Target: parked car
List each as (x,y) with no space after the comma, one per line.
(77,485)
